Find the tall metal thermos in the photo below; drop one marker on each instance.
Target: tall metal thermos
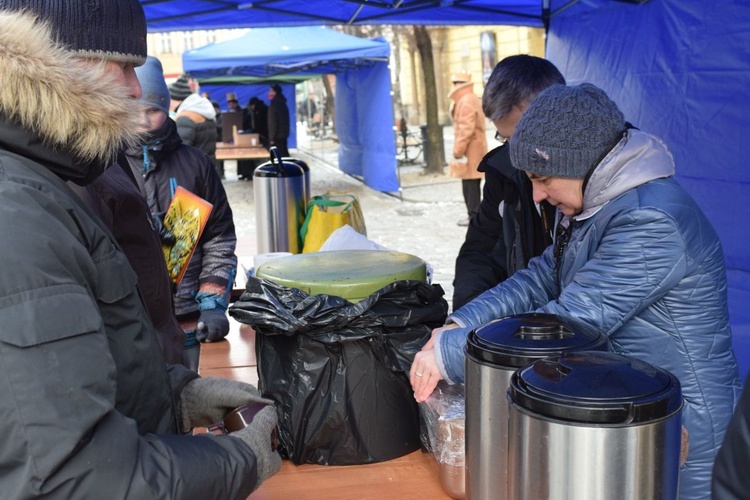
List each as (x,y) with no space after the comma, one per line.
(279,188)
(494,352)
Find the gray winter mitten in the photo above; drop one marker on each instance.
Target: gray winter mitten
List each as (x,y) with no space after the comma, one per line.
(257,436)
(206,400)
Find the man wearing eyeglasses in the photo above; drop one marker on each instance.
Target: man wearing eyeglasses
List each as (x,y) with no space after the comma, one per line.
(509,227)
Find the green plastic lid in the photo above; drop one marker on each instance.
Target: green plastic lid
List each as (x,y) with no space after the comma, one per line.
(351,274)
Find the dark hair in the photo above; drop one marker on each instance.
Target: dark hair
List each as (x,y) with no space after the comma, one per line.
(515,80)
(276,88)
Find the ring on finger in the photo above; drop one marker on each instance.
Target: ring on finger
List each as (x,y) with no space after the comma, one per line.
(418,374)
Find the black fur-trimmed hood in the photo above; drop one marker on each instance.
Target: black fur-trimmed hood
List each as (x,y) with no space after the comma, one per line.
(76,109)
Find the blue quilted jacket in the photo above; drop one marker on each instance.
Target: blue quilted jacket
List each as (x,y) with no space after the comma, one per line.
(645,266)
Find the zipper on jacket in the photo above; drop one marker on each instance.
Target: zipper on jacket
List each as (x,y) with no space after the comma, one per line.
(562,238)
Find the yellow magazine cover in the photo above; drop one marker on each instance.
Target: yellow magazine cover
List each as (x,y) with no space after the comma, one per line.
(185,218)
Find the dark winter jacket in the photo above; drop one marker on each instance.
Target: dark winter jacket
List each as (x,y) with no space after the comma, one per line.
(169,163)
(196,124)
(644,266)
(505,234)
(278,118)
(86,399)
(259,115)
(114,196)
(731,480)
(202,135)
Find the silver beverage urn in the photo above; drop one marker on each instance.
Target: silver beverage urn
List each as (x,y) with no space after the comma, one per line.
(592,426)
(279,189)
(494,352)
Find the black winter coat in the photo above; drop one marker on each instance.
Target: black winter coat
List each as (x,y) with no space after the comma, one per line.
(114,196)
(505,234)
(81,365)
(202,134)
(259,115)
(278,118)
(731,480)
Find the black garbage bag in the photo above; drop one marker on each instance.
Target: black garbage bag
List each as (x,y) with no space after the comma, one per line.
(337,371)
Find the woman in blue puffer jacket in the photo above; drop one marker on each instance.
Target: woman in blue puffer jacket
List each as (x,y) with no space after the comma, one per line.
(634,256)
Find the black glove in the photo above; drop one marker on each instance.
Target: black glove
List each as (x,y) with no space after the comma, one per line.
(165,235)
(206,400)
(257,436)
(213,323)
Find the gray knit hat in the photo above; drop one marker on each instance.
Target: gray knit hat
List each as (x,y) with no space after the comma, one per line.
(180,89)
(151,78)
(113,30)
(565,131)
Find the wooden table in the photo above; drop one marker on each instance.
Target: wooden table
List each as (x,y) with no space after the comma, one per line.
(414,476)
(230,152)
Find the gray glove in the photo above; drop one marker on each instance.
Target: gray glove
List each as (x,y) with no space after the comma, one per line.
(206,400)
(213,325)
(257,436)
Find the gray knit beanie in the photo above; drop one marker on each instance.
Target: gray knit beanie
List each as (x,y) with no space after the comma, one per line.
(113,30)
(565,131)
(151,78)
(180,89)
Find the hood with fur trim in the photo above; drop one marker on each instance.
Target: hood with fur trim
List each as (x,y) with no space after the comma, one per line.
(74,108)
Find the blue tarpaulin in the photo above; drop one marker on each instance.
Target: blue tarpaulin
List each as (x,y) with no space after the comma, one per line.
(678,69)
(681,71)
(364,108)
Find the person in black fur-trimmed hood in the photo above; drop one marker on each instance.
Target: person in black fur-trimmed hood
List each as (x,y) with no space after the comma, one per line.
(89,407)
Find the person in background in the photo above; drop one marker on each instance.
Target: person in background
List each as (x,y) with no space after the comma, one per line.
(217,110)
(179,90)
(470,143)
(509,228)
(91,408)
(234,107)
(634,258)
(730,478)
(278,120)
(219,164)
(196,124)
(161,162)
(259,117)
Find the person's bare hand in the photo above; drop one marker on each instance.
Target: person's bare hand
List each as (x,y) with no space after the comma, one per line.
(424,374)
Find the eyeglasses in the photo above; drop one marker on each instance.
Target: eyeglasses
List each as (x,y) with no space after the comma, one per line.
(499,138)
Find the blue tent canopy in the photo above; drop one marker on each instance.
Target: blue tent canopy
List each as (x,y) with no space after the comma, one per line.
(171,15)
(364,108)
(677,69)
